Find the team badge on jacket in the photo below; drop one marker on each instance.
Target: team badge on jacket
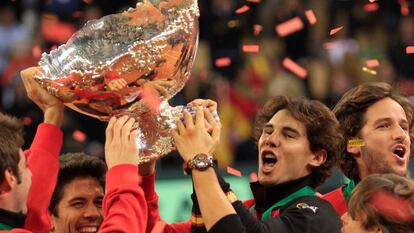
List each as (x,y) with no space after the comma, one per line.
(306,206)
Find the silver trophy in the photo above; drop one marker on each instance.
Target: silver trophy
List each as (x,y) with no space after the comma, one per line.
(129,63)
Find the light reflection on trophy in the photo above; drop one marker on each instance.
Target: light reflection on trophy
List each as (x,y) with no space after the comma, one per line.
(109,66)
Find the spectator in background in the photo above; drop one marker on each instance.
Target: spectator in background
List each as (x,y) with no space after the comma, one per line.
(381,203)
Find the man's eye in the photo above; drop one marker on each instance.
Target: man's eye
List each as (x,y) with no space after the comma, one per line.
(77,204)
(382,126)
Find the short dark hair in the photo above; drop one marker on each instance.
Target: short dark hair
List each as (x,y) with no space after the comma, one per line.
(322,129)
(11,141)
(72,166)
(393,186)
(350,112)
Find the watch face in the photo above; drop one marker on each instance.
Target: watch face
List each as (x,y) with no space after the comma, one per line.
(202,161)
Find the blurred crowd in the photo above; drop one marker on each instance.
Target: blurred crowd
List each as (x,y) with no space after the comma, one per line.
(378,30)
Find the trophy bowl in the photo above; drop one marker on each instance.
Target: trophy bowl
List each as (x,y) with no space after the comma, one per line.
(130,63)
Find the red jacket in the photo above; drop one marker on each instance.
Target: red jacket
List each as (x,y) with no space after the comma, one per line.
(44,150)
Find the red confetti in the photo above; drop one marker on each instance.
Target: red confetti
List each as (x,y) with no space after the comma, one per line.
(151,98)
(88,1)
(257,29)
(255,1)
(409,50)
(27,121)
(79,136)
(290,26)
(233,171)
(251,48)
(253,177)
(335,30)
(372,0)
(36,51)
(295,68)
(223,62)
(405,10)
(242,9)
(310,16)
(371,7)
(373,63)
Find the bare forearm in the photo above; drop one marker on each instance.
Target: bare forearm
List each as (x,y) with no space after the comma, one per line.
(54,115)
(213,203)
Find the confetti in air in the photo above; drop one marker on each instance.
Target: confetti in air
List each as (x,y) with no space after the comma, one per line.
(372,63)
(253,177)
(295,68)
(242,9)
(257,29)
(251,48)
(27,121)
(255,1)
(409,50)
(335,30)
(310,16)
(36,51)
(371,7)
(151,99)
(79,136)
(356,142)
(223,62)
(369,71)
(233,171)
(290,26)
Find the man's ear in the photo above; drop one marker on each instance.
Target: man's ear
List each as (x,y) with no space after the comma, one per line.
(354,150)
(52,222)
(8,182)
(318,158)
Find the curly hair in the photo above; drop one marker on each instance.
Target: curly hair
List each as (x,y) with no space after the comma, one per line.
(350,112)
(322,129)
(72,166)
(373,193)
(11,140)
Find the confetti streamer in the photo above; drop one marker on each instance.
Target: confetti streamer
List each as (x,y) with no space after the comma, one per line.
(371,7)
(409,50)
(310,15)
(223,62)
(290,26)
(242,9)
(372,63)
(257,29)
(88,1)
(36,51)
(335,30)
(151,98)
(251,48)
(255,1)
(369,71)
(233,171)
(79,136)
(356,142)
(295,68)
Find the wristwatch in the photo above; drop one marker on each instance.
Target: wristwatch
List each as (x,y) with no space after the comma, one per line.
(200,162)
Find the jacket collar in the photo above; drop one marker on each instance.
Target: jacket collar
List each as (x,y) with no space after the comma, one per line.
(12,219)
(265,197)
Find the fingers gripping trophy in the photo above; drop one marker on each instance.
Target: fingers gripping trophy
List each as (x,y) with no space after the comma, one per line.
(129,63)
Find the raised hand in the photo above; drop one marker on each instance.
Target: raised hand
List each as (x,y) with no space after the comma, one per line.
(50,105)
(120,145)
(192,137)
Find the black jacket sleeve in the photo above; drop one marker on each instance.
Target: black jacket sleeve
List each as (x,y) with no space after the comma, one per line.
(307,214)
